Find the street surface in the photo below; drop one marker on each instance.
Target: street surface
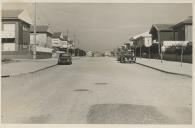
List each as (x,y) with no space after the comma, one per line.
(97,90)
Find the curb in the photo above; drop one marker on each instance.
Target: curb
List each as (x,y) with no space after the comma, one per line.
(164,70)
(5,76)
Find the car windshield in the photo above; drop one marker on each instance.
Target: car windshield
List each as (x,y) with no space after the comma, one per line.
(64,55)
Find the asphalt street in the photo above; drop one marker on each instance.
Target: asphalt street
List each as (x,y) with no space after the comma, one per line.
(97,90)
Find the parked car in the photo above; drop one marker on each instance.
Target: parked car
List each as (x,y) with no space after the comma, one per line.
(64,58)
(128,56)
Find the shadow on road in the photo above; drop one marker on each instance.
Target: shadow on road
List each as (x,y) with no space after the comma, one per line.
(127,114)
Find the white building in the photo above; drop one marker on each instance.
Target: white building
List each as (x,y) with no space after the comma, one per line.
(57,39)
(43,36)
(89,53)
(144,39)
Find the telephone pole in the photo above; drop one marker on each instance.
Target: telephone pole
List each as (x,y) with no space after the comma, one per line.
(67,42)
(34,48)
(74,41)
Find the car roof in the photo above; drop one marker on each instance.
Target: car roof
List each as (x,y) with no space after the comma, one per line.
(65,54)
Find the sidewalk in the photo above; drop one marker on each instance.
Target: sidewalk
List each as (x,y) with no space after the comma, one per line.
(167,66)
(26,66)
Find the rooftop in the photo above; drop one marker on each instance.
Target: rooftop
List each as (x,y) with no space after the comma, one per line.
(11,14)
(41,28)
(163,27)
(186,21)
(16,14)
(57,34)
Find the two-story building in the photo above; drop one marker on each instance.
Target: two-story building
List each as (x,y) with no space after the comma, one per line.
(160,33)
(183,30)
(15,31)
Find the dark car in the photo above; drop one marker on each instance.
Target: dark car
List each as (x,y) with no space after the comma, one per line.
(64,59)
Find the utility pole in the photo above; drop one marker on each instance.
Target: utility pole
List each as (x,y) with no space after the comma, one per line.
(78,48)
(67,42)
(74,41)
(181,54)
(34,48)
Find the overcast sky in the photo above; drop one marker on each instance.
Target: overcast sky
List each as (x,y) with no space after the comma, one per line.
(101,27)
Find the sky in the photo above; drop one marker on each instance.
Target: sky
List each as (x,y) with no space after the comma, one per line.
(104,26)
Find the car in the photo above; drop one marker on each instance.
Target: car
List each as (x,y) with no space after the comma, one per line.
(64,58)
(128,56)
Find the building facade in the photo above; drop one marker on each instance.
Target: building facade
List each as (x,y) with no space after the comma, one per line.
(57,39)
(183,30)
(43,36)
(15,31)
(160,33)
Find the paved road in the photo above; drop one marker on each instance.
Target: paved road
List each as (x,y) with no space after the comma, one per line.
(97,90)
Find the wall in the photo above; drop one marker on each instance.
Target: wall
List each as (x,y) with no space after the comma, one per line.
(166,36)
(41,39)
(49,42)
(24,36)
(8,46)
(8,30)
(24,55)
(188,32)
(148,41)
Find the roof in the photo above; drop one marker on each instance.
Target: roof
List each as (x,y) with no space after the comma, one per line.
(70,41)
(41,28)
(163,27)
(186,21)
(57,34)
(65,38)
(17,14)
(145,34)
(11,14)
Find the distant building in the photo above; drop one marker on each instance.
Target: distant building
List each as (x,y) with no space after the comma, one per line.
(57,39)
(183,30)
(43,36)
(107,53)
(65,42)
(144,39)
(15,30)
(90,53)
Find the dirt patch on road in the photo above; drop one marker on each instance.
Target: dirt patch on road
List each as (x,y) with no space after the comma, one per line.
(125,114)
(103,83)
(81,90)
(39,119)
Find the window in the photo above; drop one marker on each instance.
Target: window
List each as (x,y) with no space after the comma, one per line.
(25,28)
(8,40)
(8,27)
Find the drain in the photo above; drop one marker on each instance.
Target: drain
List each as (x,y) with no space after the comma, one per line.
(101,83)
(81,90)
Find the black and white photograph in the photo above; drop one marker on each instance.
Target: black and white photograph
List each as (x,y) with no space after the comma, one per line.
(96,63)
